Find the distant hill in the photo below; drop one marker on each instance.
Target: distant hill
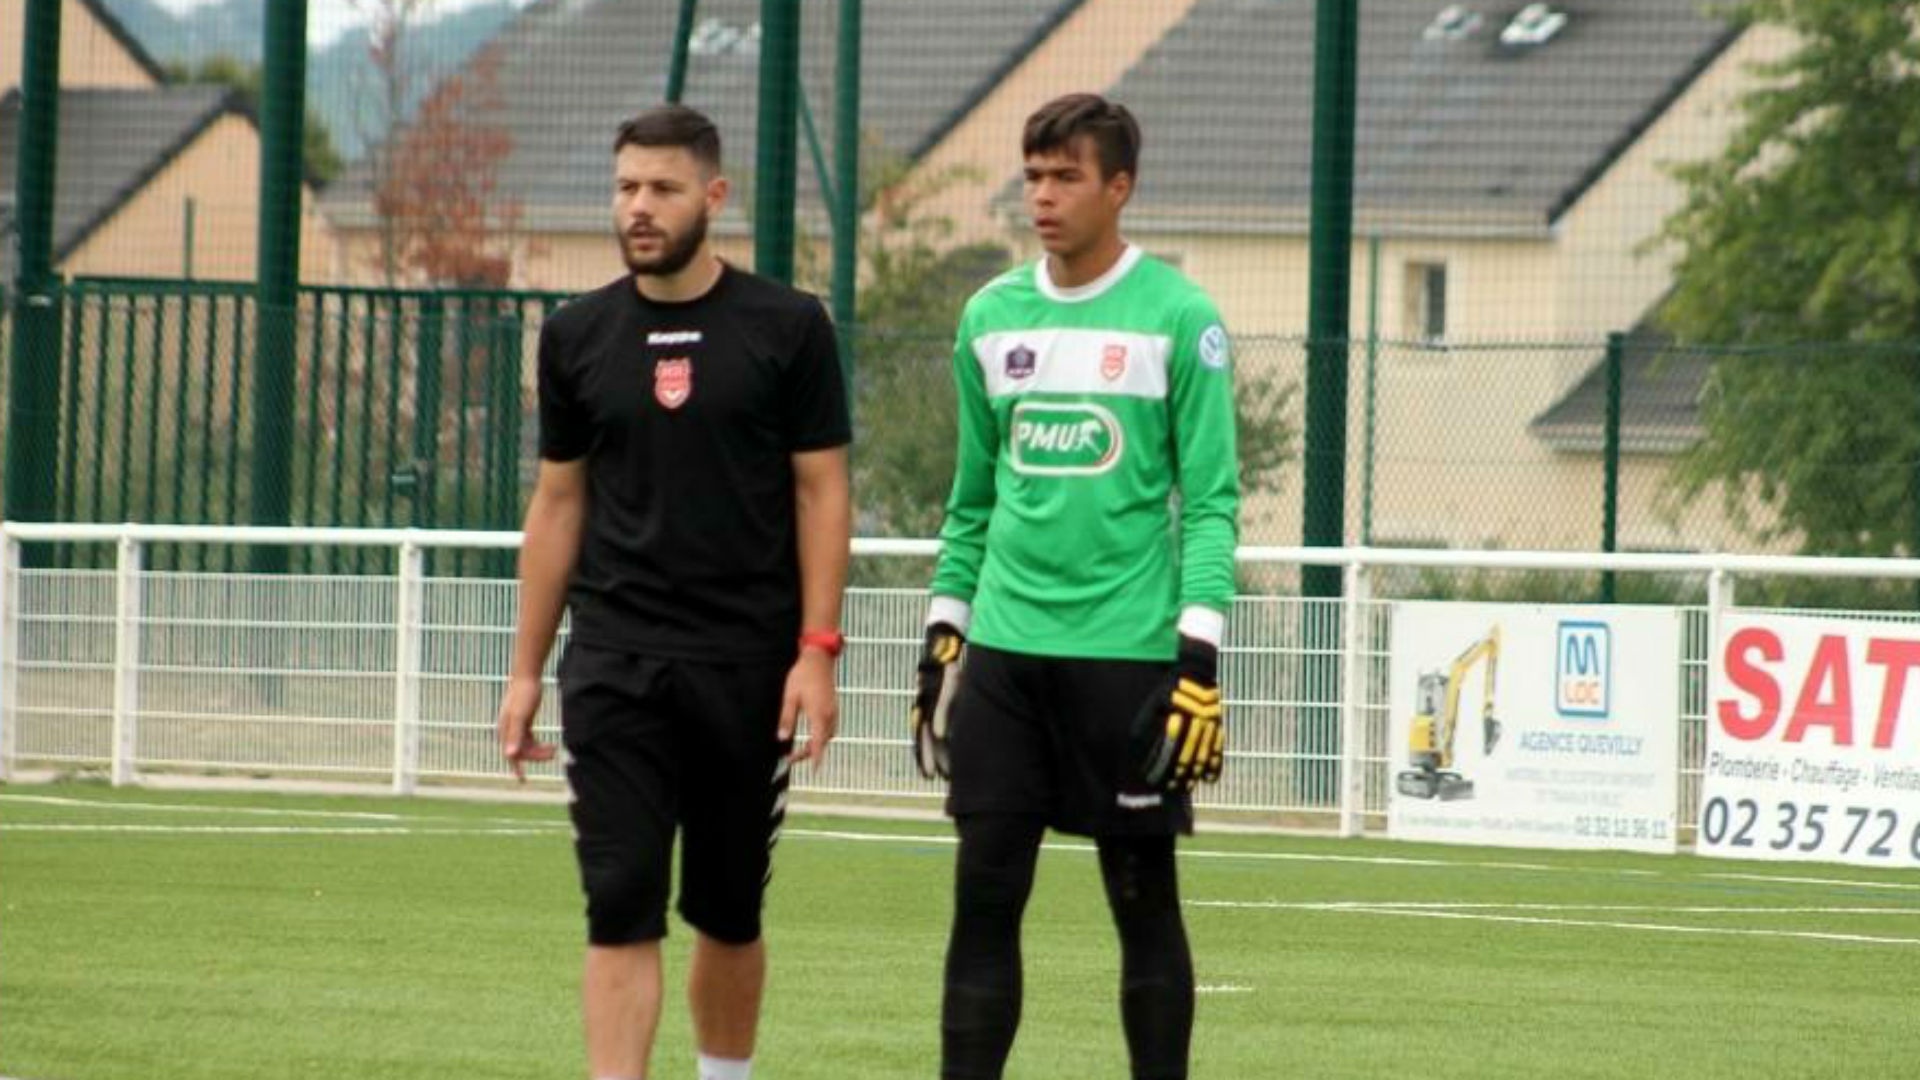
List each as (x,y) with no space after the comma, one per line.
(342,85)
(234,27)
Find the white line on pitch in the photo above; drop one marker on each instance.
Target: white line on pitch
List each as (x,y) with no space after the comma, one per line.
(276,830)
(1781,879)
(115,804)
(1444,905)
(1185,853)
(257,811)
(1534,920)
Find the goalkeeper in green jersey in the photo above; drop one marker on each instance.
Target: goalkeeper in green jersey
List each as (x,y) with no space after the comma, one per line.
(1085,570)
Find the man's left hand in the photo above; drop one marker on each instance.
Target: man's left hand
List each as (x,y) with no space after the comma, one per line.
(810,693)
(1180,736)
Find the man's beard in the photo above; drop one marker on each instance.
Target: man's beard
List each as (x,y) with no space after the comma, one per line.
(674,256)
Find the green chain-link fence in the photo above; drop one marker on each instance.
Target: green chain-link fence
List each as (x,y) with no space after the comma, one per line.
(1527,248)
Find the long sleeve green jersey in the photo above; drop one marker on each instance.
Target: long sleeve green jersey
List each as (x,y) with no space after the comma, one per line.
(1096,485)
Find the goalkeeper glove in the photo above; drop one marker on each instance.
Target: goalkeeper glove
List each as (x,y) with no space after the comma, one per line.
(1180,736)
(939,676)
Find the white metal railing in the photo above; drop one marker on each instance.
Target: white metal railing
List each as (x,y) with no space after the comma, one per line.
(396,676)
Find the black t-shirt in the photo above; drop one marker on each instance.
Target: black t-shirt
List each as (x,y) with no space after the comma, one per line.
(687,414)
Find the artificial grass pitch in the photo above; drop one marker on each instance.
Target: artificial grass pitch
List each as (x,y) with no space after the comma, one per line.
(150,933)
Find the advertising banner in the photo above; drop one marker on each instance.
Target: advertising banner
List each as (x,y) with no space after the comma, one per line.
(1532,725)
(1813,746)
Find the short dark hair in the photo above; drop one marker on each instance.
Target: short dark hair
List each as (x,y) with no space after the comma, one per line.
(1114,131)
(673,125)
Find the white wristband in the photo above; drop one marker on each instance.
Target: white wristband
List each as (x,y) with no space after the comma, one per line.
(951,610)
(1203,623)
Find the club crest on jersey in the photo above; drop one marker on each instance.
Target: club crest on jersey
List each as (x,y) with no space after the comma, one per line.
(1113,362)
(673,381)
(1020,362)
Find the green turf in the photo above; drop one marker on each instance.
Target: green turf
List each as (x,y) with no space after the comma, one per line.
(376,938)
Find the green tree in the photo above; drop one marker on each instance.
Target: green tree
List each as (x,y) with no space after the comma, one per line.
(1799,263)
(914,283)
(318,153)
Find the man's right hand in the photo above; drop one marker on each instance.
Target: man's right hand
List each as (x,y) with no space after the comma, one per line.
(515,726)
(938,677)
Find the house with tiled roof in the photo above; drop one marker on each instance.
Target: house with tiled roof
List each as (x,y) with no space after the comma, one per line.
(152,180)
(1512,173)
(570,70)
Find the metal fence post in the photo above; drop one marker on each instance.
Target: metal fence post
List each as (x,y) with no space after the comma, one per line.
(9,653)
(846,178)
(126,663)
(1353,683)
(1720,599)
(32,400)
(408,615)
(1610,496)
(774,158)
(682,41)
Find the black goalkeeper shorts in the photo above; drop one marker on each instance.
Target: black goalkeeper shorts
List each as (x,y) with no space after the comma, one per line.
(1049,738)
(652,744)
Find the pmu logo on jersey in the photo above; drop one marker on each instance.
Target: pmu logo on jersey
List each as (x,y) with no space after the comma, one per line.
(1583,670)
(1113,362)
(1065,439)
(1020,362)
(673,381)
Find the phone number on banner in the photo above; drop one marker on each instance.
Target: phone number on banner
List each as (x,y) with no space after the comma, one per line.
(1621,828)
(1809,830)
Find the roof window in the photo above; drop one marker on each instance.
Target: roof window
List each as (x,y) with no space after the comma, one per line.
(1536,24)
(1455,22)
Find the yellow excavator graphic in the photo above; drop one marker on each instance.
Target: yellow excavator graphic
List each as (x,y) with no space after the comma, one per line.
(1437,715)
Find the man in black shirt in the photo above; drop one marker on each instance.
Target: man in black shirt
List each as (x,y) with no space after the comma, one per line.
(692,511)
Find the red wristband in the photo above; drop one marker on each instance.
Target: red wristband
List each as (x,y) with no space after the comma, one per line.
(827,641)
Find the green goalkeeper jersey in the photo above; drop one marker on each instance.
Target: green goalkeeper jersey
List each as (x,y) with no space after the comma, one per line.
(1090,418)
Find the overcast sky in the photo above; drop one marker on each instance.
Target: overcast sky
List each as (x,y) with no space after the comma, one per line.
(327,19)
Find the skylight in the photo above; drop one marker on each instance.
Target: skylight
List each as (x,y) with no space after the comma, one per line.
(1455,21)
(718,37)
(1534,25)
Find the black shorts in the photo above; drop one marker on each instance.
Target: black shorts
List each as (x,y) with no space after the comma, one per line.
(1049,738)
(651,744)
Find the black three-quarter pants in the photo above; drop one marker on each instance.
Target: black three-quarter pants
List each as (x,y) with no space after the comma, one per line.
(1052,739)
(653,744)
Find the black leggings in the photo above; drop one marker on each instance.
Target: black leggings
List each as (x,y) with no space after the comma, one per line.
(993,878)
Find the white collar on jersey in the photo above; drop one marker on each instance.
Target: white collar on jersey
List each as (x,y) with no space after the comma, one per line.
(1076,293)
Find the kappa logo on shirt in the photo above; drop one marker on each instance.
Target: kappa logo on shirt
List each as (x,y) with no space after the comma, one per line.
(673,381)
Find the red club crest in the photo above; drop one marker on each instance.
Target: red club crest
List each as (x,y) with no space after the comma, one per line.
(1113,362)
(673,382)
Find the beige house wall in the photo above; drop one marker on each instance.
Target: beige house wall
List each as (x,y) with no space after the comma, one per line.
(1453,461)
(1089,50)
(569,262)
(1611,271)
(220,171)
(90,56)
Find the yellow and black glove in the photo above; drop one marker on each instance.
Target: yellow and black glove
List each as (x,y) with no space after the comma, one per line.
(938,678)
(1181,736)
